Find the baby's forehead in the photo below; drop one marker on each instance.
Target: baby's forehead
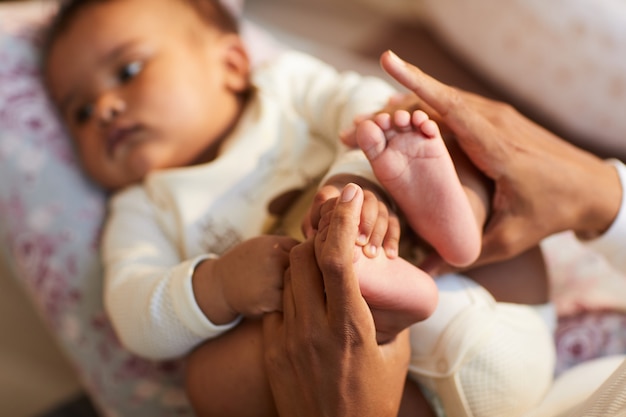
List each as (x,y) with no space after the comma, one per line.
(100,21)
(125,13)
(93,33)
(110,17)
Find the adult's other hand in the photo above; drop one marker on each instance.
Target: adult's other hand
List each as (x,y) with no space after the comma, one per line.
(322,358)
(542,184)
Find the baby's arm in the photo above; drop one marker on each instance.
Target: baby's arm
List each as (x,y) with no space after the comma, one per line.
(149,290)
(245,281)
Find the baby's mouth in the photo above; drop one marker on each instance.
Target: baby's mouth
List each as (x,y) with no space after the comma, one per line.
(117,136)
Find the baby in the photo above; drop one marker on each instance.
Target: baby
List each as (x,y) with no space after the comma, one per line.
(204,155)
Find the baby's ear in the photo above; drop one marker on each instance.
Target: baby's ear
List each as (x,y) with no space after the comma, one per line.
(237,64)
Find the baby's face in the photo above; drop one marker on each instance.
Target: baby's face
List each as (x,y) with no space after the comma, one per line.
(144,85)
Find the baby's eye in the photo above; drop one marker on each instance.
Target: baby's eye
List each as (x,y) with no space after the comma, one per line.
(129,71)
(83,114)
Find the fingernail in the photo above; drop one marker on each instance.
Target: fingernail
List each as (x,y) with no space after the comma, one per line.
(391,253)
(361,240)
(373,250)
(348,193)
(394,56)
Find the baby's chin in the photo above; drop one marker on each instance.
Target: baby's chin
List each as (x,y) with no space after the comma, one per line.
(141,162)
(119,178)
(117,183)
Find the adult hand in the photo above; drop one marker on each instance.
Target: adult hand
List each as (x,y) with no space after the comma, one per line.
(322,358)
(379,225)
(543,185)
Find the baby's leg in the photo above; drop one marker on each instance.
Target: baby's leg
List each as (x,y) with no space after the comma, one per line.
(410,159)
(481,357)
(226,376)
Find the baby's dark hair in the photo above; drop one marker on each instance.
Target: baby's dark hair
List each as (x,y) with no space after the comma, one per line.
(212,12)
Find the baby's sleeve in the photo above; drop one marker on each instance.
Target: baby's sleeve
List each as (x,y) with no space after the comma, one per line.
(148,292)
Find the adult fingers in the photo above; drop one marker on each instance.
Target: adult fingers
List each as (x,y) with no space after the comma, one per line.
(306,287)
(336,254)
(303,308)
(320,205)
(307,225)
(506,236)
(391,243)
(439,96)
(373,224)
(450,103)
(379,231)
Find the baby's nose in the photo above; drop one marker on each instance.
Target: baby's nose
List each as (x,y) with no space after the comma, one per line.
(109,106)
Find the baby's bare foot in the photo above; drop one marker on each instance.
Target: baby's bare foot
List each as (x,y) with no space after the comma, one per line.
(398,293)
(410,159)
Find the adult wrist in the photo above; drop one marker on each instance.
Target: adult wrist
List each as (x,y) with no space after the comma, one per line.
(610,215)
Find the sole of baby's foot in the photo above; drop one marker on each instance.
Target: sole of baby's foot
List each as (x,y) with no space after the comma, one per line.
(398,293)
(411,161)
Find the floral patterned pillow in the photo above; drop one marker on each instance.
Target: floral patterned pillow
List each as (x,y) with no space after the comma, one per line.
(50,219)
(589,297)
